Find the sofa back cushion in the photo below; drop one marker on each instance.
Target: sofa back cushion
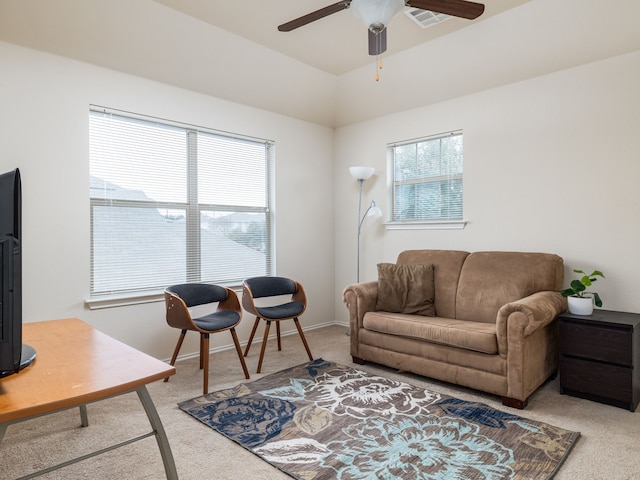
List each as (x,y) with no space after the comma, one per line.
(447,265)
(406,289)
(489,280)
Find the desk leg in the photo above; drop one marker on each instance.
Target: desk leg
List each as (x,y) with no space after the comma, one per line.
(3,428)
(84,418)
(161,436)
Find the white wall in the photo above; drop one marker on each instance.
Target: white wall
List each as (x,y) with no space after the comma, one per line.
(551,165)
(44,132)
(151,40)
(530,40)
(532,148)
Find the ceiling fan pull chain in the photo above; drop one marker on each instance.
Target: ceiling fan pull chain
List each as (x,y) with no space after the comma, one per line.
(378,67)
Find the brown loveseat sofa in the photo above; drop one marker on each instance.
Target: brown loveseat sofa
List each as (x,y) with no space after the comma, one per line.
(494,327)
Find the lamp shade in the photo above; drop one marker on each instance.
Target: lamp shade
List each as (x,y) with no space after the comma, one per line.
(376,13)
(374,210)
(361,173)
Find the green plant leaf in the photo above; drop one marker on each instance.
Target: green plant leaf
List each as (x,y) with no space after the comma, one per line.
(597,300)
(578,287)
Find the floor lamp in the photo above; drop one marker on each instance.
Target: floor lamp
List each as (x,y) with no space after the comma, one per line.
(361,174)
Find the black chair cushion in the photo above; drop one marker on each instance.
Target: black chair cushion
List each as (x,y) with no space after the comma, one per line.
(270,286)
(217,320)
(286,310)
(193,294)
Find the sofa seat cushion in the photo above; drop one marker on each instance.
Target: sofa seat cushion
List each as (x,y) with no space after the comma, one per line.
(469,335)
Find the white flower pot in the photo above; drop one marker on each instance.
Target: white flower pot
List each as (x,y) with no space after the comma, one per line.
(580,305)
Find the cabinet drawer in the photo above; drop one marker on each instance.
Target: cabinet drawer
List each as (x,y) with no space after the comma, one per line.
(608,344)
(596,378)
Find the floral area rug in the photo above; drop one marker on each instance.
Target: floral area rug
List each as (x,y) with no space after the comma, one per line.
(322,421)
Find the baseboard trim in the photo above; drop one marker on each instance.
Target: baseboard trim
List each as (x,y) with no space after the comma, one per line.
(230,346)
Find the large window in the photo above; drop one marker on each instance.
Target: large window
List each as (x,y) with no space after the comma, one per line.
(426,179)
(173,203)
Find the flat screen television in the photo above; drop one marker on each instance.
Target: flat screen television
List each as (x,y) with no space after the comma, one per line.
(14,356)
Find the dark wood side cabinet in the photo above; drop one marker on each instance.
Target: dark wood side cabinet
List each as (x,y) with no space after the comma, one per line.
(600,357)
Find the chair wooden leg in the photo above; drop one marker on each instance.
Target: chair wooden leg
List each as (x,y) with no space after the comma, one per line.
(205,361)
(239,350)
(264,344)
(177,350)
(304,340)
(278,335)
(201,351)
(253,332)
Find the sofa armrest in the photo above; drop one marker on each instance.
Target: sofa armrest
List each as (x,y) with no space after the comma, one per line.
(360,298)
(528,341)
(528,315)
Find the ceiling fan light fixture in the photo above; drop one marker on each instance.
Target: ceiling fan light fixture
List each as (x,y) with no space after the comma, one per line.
(376,14)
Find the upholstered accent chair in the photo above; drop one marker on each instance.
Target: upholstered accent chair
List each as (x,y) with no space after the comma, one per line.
(274,299)
(226,316)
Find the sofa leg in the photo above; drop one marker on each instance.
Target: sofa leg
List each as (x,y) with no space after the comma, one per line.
(513,402)
(358,360)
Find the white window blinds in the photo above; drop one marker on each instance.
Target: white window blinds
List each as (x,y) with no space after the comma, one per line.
(426,179)
(174,203)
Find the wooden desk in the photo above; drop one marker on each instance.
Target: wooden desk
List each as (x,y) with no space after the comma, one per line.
(76,365)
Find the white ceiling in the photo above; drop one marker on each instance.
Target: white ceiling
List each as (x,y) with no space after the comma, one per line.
(322,73)
(335,44)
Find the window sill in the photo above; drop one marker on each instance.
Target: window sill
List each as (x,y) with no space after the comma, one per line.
(110,301)
(126,300)
(439,225)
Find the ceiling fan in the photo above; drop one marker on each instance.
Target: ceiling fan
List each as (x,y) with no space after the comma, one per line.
(376,15)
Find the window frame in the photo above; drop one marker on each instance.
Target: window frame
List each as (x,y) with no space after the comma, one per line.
(419,224)
(193,212)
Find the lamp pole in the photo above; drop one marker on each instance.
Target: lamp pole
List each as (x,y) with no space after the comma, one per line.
(361,174)
(360,181)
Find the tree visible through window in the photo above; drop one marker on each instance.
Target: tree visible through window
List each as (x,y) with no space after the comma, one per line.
(426,179)
(172,203)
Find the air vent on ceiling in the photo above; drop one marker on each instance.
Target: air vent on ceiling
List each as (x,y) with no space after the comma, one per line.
(425,18)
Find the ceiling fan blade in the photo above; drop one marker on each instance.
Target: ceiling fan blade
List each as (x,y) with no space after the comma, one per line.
(456,8)
(377,41)
(313,16)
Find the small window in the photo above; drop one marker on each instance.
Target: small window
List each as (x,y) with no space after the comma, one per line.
(173,203)
(426,180)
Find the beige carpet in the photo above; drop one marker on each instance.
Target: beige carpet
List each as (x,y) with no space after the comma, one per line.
(607,449)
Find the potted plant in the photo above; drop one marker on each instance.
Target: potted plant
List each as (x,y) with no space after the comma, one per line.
(580,300)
